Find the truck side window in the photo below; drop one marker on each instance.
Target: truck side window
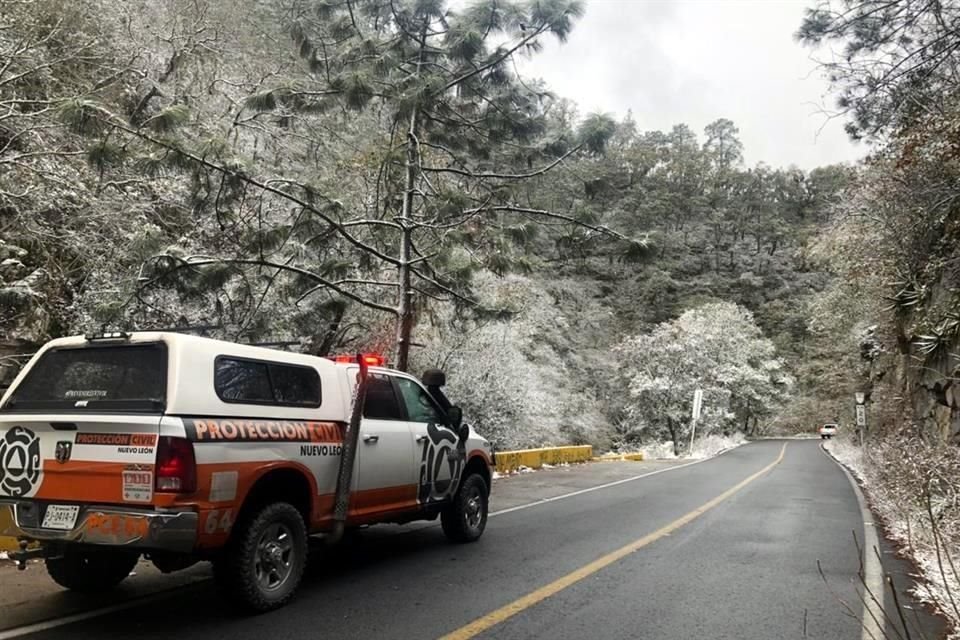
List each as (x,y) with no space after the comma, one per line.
(420,406)
(242,381)
(259,382)
(381,402)
(298,386)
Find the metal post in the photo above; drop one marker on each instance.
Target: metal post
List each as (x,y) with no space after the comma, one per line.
(348,455)
(861,413)
(695,415)
(693,431)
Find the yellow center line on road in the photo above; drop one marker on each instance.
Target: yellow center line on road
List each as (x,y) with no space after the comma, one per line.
(506,612)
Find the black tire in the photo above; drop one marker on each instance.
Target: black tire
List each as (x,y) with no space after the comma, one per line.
(91,570)
(466,517)
(263,563)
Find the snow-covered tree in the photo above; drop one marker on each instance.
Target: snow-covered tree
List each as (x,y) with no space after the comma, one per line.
(516,374)
(716,347)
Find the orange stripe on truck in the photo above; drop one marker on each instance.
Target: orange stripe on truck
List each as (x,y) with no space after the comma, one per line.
(83,481)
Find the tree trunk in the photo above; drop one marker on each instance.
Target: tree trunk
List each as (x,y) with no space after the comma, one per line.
(674,435)
(405,302)
(405,306)
(330,336)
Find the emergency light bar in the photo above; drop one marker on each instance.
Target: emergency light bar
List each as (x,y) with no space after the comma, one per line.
(369,359)
(112,335)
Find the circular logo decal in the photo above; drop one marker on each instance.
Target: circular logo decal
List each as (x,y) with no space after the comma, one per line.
(440,465)
(20,462)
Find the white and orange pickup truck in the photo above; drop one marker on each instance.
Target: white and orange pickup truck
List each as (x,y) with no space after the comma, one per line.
(186,449)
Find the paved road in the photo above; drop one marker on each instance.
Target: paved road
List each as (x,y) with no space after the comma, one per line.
(726,548)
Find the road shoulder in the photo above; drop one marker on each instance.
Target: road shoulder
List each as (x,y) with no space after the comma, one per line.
(898,575)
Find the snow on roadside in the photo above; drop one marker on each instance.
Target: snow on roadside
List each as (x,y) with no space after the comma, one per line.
(657,451)
(909,526)
(848,455)
(714,445)
(497,475)
(706,447)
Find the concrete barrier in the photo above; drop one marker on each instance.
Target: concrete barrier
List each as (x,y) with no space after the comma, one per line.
(508,461)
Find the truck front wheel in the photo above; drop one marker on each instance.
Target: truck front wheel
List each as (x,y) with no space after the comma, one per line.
(262,565)
(466,517)
(91,571)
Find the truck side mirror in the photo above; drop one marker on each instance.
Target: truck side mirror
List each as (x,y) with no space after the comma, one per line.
(434,378)
(455,414)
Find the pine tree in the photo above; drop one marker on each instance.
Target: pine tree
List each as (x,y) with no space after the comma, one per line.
(452,139)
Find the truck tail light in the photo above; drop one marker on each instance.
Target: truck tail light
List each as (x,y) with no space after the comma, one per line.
(176,470)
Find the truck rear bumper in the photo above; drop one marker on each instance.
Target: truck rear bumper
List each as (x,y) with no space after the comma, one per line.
(127,527)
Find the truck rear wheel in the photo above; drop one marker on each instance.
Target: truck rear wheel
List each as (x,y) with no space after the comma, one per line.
(91,571)
(466,517)
(262,565)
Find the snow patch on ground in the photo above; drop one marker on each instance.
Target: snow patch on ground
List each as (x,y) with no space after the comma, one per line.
(706,447)
(715,445)
(849,456)
(656,451)
(497,475)
(908,526)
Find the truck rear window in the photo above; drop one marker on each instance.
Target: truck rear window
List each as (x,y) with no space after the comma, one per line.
(122,378)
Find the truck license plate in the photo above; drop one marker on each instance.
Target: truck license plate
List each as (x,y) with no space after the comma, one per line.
(60,516)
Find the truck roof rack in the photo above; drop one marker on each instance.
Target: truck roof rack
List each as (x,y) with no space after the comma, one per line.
(275,343)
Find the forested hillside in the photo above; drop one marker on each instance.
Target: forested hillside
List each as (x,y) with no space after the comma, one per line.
(369,175)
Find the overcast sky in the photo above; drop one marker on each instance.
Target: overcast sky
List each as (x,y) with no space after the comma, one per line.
(694,61)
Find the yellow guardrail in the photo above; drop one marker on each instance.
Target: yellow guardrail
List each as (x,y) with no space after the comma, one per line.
(615,457)
(7,543)
(508,461)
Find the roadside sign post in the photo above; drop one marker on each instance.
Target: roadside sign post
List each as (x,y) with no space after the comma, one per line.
(861,410)
(697,406)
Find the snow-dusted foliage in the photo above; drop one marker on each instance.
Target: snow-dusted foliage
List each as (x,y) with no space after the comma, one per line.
(717,348)
(914,488)
(513,376)
(187,165)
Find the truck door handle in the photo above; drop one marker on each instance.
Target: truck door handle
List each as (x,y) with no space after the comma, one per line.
(422,439)
(371,439)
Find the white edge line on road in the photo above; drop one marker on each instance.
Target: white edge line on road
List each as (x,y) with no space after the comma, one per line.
(873,610)
(605,486)
(36,627)
(45,625)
